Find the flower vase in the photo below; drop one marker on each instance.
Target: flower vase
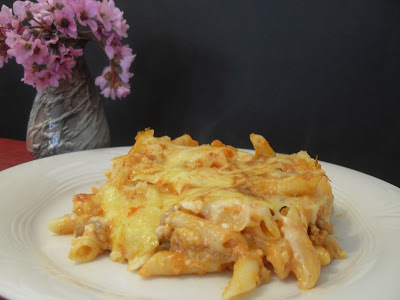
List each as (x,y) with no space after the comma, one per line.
(68,118)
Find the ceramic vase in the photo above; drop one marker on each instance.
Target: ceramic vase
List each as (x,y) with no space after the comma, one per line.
(68,118)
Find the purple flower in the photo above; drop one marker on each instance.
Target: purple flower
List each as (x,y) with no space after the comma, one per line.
(50,5)
(103,80)
(64,61)
(107,13)
(40,52)
(54,64)
(123,91)
(36,8)
(21,50)
(3,52)
(61,67)
(40,78)
(110,86)
(121,28)
(6,16)
(75,52)
(34,33)
(29,52)
(45,78)
(109,37)
(65,21)
(124,59)
(43,12)
(66,65)
(109,51)
(12,38)
(22,9)
(86,12)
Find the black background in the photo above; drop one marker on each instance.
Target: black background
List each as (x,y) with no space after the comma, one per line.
(321,76)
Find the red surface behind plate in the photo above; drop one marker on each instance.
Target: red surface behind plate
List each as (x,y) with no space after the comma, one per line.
(12,153)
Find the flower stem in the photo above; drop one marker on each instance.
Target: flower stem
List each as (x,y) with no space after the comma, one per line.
(80,29)
(42,25)
(93,38)
(40,33)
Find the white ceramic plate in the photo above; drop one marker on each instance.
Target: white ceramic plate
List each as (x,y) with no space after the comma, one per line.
(34,263)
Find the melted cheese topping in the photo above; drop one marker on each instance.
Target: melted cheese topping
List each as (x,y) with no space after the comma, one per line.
(173,207)
(224,185)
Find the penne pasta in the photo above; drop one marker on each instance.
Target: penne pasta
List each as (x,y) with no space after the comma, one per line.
(84,249)
(174,207)
(62,225)
(245,278)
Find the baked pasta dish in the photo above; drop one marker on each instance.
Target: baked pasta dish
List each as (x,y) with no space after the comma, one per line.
(172,207)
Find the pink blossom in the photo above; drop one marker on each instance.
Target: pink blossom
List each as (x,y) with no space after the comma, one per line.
(103,80)
(40,78)
(59,3)
(66,66)
(121,28)
(65,21)
(70,51)
(116,91)
(109,51)
(12,38)
(50,5)
(21,50)
(108,92)
(3,49)
(40,53)
(61,67)
(64,50)
(54,64)
(86,12)
(45,78)
(110,86)
(75,52)
(3,53)
(64,62)
(22,9)
(43,12)
(125,76)
(124,58)
(27,52)
(114,80)
(29,76)
(123,91)
(107,13)
(63,70)
(37,8)
(6,16)
(34,34)
(111,37)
